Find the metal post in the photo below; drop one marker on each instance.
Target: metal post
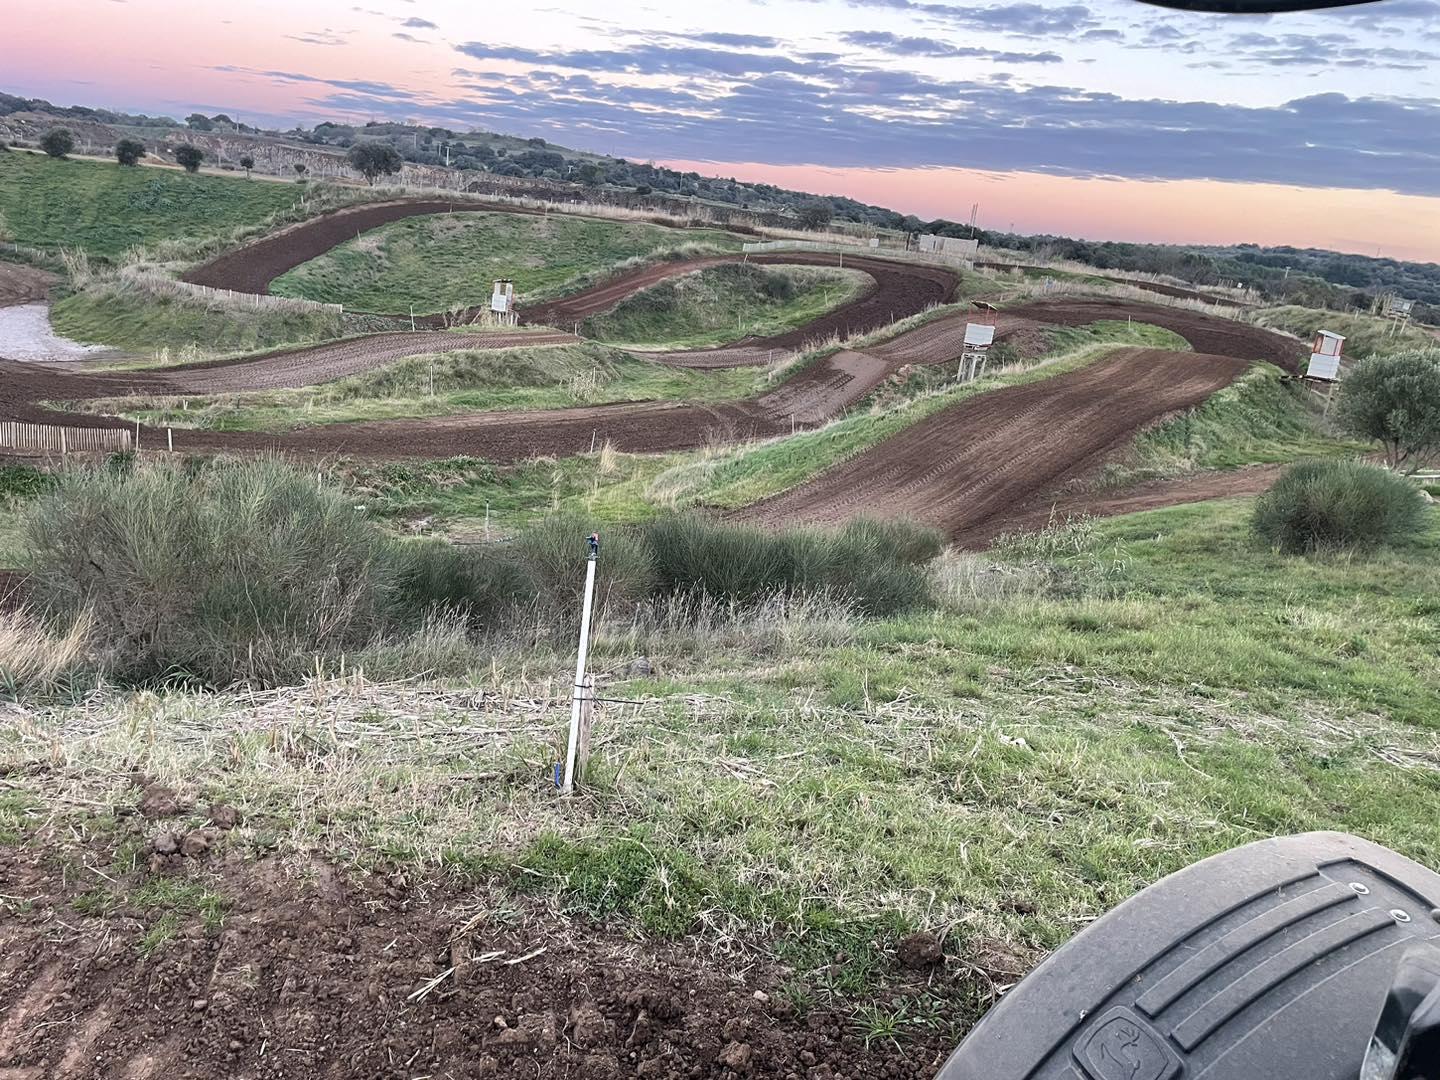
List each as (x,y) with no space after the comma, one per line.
(577,700)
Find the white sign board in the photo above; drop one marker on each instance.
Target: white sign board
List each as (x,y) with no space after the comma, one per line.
(503,298)
(1396,306)
(979,336)
(1323,366)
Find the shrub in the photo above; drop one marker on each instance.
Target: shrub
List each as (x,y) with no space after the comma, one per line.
(129,151)
(1337,505)
(875,567)
(479,585)
(189,157)
(232,572)
(247,163)
(58,142)
(1395,400)
(552,552)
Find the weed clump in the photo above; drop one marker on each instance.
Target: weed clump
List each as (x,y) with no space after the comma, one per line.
(231,572)
(1320,506)
(253,572)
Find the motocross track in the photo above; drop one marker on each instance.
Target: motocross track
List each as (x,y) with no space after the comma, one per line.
(816,394)
(900,289)
(971,468)
(314,974)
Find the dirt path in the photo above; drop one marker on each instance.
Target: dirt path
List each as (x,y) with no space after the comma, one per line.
(23,284)
(812,396)
(969,467)
(1176,291)
(316,974)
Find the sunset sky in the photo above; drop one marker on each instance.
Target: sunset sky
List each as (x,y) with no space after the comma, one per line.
(1104,119)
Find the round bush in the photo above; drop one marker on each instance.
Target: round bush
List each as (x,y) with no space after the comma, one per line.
(230,572)
(1336,506)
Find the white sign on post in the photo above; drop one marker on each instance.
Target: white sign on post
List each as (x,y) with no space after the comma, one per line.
(979,336)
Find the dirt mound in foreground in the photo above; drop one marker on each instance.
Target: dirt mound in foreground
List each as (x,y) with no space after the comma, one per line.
(379,980)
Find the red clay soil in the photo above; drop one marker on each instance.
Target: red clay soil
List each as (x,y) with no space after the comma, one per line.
(23,284)
(324,977)
(970,467)
(817,393)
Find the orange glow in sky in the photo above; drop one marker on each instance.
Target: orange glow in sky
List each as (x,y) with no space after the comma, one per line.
(1170,211)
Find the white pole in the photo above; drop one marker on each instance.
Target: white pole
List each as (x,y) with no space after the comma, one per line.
(578,694)
(170,440)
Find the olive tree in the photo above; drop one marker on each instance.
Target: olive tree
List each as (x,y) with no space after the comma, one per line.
(247,163)
(129,151)
(189,157)
(1395,400)
(57,142)
(373,160)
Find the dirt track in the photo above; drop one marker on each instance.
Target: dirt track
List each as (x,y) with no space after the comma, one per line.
(900,289)
(814,395)
(251,269)
(1179,292)
(989,456)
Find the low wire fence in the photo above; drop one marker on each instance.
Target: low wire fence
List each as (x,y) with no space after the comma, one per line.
(55,439)
(159,285)
(929,258)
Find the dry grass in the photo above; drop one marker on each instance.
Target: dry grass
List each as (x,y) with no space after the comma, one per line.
(34,658)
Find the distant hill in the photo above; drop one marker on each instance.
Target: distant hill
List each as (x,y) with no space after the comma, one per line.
(435,155)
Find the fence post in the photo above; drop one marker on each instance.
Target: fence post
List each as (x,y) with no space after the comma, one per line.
(580,691)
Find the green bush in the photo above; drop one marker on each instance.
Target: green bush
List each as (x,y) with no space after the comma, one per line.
(876,566)
(230,572)
(479,584)
(1337,505)
(1395,400)
(551,552)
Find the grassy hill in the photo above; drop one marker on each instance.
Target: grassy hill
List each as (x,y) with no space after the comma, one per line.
(436,263)
(719,304)
(106,209)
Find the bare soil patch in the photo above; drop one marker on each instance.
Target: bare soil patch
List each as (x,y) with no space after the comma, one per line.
(23,284)
(313,973)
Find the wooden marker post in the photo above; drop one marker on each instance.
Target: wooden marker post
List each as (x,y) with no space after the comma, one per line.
(581,694)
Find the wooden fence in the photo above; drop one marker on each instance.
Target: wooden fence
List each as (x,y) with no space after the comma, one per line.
(160,285)
(893,254)
(49,438)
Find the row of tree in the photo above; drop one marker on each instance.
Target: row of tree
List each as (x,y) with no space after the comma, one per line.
(60,142)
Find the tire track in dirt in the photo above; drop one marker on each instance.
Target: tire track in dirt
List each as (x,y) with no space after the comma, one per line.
(985,457)
(818,393)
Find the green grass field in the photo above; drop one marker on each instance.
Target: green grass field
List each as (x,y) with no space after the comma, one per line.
(725,303)
(479,380)
(105,209)
(439,262)
(111,314)
(1005,766)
